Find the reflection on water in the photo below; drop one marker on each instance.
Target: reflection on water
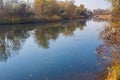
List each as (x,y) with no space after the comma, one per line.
(12,38)
(53,51)
(109,51)
(100,20)
(47,32)
(11,41)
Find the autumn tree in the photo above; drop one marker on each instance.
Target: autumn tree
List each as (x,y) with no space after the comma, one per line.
(81,7)
(1,8)
(68,9)
(82,10)
(1,4)
(41,6)
(46,7)
(53,7)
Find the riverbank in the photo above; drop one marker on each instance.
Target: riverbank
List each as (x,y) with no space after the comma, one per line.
(28,20)
(105,17)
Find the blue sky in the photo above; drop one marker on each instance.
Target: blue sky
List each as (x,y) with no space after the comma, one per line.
(93,4)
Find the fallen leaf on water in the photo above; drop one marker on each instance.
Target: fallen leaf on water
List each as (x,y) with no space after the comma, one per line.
(46,78)
(30,75)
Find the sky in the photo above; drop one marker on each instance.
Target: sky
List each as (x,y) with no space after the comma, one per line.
(93,4)
(90,4)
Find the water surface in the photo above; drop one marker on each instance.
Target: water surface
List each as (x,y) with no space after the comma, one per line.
(53,51)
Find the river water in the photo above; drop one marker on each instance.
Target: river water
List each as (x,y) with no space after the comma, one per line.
(52,51)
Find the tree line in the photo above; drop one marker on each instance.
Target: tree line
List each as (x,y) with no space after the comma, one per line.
(101,11)
(16,10)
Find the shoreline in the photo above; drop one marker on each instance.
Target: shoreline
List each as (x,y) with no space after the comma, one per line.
(104,17)
(39,21)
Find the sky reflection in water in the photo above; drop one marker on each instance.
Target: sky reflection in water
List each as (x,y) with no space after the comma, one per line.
(54,51)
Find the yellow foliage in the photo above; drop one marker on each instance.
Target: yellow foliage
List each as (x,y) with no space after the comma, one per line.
(52,18)
(114,73)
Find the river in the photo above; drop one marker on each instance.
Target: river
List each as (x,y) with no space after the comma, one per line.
(52,51)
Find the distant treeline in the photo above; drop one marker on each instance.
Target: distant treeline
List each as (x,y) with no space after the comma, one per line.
(101,11)
(16,11)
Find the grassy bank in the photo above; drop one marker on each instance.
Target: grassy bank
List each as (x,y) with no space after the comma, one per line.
(114,72)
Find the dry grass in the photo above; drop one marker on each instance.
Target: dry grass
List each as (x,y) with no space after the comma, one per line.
(114,72)
(106,17)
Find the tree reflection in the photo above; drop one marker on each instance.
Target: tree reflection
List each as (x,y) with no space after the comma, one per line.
(109,52)
(45,33)
(12,38)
